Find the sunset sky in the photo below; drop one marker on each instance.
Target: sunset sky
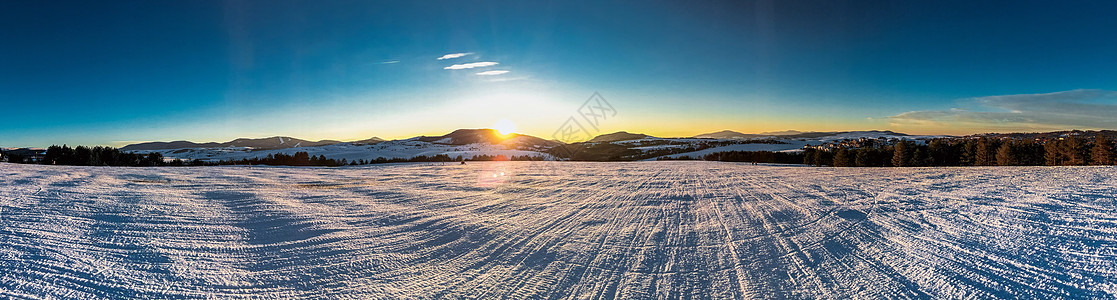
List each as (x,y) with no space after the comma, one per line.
(128,71)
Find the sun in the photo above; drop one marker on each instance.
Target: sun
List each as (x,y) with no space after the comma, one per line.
(505,127)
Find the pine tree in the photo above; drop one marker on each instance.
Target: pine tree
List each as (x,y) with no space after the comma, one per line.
(901,156)
(969,153)
(1103,152)
(1006,155)
(810,157)
(940,153)
(1052,156)
(919,157)
(863,158)
(1074,151)
(842,158)
(985,153)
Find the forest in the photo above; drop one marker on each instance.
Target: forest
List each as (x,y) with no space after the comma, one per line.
(1069,151)
(100,156)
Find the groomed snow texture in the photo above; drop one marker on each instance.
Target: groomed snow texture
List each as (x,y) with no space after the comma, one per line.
(558,230)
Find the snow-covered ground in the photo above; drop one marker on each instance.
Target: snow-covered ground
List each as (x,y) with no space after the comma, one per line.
(526,230)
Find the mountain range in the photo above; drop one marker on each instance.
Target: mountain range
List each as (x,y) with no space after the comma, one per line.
(275,142)
(489,136)
(489,143)
(793,134)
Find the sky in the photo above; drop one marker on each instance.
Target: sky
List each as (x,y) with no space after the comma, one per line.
(118,72)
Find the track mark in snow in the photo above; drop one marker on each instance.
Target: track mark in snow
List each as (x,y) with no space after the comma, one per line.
(558,230)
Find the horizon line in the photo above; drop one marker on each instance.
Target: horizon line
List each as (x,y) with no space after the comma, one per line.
(121,144)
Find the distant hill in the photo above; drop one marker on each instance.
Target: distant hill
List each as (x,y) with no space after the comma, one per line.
(778,133)
(275,142)
(464,143)
(488,136)
(845,134)
(617,136)
(369,141)
(457,137)
(1051,135)
(168,145)
(793,134)
(729,134)
(726,134)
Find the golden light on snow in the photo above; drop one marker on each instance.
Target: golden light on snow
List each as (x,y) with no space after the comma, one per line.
(493,174)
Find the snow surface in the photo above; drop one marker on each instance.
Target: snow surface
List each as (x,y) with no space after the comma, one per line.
(526,230)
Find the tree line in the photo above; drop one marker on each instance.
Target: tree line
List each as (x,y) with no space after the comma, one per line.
(748,156)
(280,159)
(1070,151)
(101,156)
(305,159)
(109,156)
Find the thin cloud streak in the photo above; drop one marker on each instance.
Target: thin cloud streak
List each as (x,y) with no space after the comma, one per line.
(454,55)
(1082,109)
(491,73)
(472,65)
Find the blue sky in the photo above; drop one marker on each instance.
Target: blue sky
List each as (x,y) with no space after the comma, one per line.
(120,72)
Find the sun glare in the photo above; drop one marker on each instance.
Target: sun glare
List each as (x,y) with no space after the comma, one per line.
(505,127)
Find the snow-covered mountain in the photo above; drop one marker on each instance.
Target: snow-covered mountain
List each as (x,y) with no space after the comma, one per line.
(729,134)
(275,142)
(489,136)
(793,134)
(466,143)
(469,143)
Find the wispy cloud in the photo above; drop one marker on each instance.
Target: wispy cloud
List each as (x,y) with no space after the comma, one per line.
(1082,109)
(387,62)
(454,55)
(506,78)
(491,73)
(472,65)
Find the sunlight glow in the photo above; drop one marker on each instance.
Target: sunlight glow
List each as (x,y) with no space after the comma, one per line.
(505,127)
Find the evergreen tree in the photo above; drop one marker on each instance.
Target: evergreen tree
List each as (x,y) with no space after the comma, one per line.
(969,153)
(1052,155)
(301,159)
(901,155)
(919,157)
(1030,153)
(810,157)
(1074,151)
(1103,152)
(863,158)
(843,158)
(941,153)
(1006,155)
(984,153)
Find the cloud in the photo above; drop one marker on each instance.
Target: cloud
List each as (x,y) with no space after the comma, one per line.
(1075,109)
(491,73)
(454,55)
(387,62)
(471,65)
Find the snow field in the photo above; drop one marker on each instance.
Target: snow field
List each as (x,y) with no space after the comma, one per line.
(526,230)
